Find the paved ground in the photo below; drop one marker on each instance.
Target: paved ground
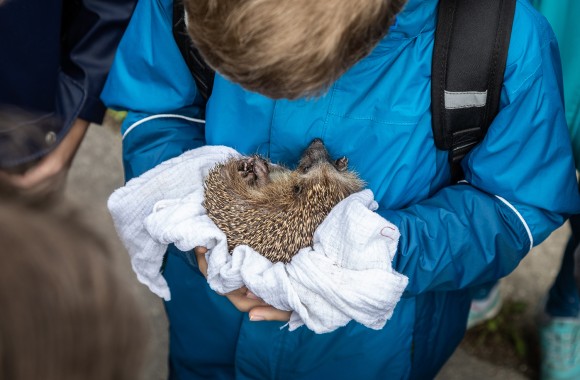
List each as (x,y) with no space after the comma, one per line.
(97,171)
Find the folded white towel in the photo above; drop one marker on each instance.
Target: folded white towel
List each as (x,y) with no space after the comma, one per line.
(346,274)
(132,203)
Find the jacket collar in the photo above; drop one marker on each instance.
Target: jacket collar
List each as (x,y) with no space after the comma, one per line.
(418,16)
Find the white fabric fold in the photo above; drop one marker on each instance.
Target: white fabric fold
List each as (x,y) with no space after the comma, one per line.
(346,275)
(132,203)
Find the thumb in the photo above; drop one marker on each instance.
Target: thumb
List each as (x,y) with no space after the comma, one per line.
(201,261)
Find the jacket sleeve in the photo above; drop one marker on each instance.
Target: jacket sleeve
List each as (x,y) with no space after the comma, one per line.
(520,182)
(151,81)
(91,31)
(149,74)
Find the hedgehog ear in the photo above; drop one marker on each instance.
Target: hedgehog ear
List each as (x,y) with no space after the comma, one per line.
(341,164)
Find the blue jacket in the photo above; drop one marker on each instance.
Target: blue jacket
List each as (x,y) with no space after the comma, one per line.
(520,184)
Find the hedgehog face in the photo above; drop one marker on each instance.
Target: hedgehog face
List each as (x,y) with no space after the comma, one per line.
(273,209)
(316,166)
(316,155)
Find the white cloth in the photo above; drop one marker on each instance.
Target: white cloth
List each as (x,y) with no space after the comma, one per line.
(132,203)
(346,274)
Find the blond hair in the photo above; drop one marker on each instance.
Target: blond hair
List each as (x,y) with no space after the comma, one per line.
(65,311)
(287,48)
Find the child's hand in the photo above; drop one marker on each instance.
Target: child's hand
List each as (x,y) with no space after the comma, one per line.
(243,299)
(48,176)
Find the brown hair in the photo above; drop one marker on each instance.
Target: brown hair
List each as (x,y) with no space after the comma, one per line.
(287,48)
(65,312)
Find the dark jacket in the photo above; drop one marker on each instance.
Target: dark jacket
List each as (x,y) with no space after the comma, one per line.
(55,56)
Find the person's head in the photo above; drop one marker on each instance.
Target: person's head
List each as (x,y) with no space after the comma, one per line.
(65,311)
(287,48)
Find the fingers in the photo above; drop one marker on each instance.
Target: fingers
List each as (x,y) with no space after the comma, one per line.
(58,161)
(41,176)
(238,297)
(242,302)
(200,250)
(42,191)
(269,313)
(243,299)
(246,301)
(201,261)
(266,312)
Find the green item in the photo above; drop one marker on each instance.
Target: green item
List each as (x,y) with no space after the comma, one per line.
(563,16)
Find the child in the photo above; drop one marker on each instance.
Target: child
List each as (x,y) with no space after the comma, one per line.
(560,330)
(373,106)
(55,59)
(66,313)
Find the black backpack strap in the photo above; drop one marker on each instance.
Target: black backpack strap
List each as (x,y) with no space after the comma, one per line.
(201,72)
(469,59)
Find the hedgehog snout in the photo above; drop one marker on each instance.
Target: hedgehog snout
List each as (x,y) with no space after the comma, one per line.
(315,154)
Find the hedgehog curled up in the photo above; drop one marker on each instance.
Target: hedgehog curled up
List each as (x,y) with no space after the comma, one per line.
(272,209)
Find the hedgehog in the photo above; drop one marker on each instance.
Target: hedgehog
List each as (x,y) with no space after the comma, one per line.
(272,209)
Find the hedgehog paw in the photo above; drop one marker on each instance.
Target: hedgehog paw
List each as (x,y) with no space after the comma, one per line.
(254,171)
(245,166)
(261,171)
